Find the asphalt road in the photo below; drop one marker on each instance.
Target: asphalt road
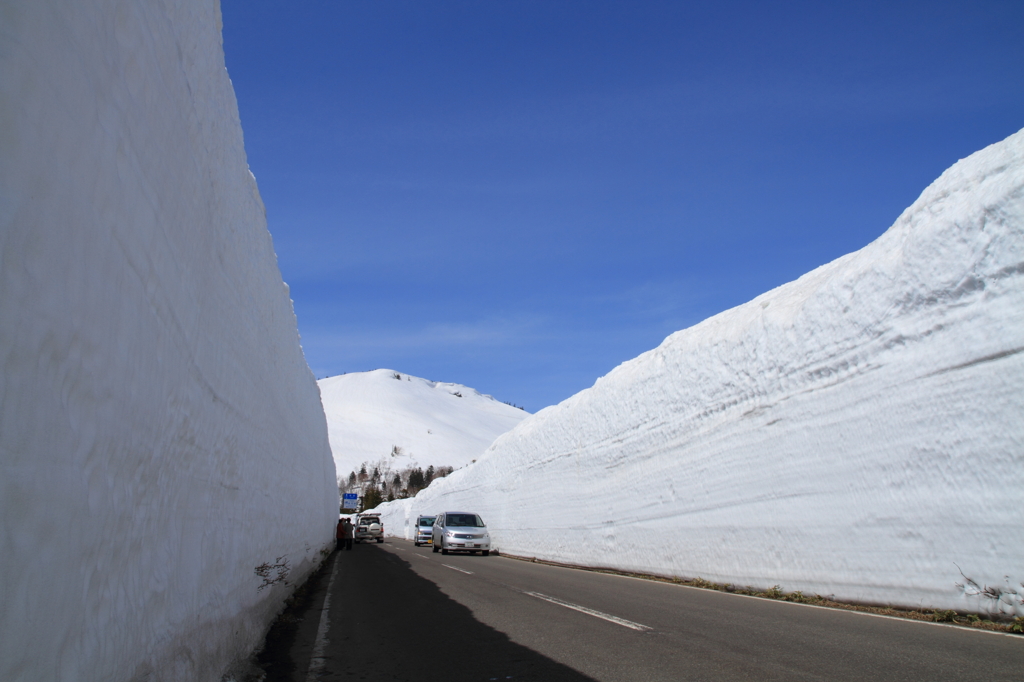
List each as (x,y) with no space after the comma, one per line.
(393,611)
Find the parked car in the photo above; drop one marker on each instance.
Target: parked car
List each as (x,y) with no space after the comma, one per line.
(461,532)
(424,532)
(369,527)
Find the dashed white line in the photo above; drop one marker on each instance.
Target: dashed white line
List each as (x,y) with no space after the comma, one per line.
(591,612)
(457,569)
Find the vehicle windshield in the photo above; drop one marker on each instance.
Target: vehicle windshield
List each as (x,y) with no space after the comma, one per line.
(467,520)
(427,521)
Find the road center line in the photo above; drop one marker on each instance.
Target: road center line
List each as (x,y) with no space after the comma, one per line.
(591,612)
(458,569)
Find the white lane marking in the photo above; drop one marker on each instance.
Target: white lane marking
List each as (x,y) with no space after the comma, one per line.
(458,569)
(316,663)
(421,556)
(832,609)
(591,612)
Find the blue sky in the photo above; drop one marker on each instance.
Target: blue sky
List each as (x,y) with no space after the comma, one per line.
(519,196)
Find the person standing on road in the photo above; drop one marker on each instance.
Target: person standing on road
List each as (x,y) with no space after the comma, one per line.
(346,534)
(339,533)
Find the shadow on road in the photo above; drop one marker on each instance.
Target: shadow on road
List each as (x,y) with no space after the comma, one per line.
(289,643)
(389,623)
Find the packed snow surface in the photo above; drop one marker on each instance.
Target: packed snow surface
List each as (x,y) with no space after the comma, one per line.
(855,433)
(161,436)
(409,422)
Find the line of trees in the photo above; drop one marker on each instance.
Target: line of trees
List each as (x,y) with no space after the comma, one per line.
(377,483)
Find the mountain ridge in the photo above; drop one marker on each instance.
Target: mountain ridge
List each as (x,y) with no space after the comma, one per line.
(409,421)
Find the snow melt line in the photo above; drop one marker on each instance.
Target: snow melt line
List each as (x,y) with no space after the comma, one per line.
(591,612)
(457,569)
(316,663)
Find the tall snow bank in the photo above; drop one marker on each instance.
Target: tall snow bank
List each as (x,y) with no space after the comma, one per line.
(856,433)
(161,436)
(407,421)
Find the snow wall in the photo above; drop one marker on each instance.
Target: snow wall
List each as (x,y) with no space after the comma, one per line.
(856,433)
(161,436)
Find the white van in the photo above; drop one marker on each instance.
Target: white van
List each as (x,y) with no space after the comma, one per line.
(461,532)
(423,533)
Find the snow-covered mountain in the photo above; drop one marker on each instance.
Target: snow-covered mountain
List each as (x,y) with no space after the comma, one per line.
(164,461)
(857,433)
(407,421)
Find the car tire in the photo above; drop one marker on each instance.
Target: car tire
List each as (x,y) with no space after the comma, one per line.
(444,550)
(380,539)
(486,552)
(472,551)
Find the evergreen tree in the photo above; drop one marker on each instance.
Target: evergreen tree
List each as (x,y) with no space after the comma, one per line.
(429,476)
(372,497)
(415,480)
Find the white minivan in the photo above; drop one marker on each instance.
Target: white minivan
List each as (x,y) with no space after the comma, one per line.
(461,532)
(424,531)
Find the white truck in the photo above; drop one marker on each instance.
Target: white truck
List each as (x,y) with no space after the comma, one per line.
(369,527)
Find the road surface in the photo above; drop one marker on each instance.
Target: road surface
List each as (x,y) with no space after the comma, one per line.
(394,611)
